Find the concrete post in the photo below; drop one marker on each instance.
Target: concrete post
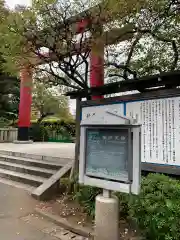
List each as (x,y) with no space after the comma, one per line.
(106,218)
(2,135)
(11,135)
(5,135)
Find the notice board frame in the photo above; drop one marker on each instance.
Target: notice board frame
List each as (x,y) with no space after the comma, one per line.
(132,186)
(114,127)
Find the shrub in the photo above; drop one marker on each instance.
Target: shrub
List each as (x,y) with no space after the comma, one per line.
(65,128)
(157,209)
(85,195)
(48,130)
(4,122)
(38,133)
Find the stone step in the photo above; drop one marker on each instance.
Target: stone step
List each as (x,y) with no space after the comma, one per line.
(37,171)
(59,160)
(26,187)
(31,162)
(22,177)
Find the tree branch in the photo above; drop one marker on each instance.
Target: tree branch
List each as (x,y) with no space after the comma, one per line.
(123,67)
(130,56)
(60,78)
(165,40)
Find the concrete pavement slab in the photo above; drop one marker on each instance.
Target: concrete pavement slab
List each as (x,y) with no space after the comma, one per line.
(16,204)
(64,150)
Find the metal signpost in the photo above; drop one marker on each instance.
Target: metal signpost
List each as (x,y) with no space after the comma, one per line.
(109,159)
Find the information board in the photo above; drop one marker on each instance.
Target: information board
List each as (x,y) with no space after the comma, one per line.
(160,130)
(160,119)
(107,153)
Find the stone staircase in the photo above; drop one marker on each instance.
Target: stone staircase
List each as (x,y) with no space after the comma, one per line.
(26,170)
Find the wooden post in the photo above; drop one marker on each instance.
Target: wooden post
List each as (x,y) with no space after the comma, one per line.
(77,146)
(75,168)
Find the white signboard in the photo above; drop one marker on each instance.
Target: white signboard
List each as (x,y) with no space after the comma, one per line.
(160,130)
(160,119)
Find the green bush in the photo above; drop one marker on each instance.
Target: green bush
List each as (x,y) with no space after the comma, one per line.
(54,123)
(49,130)
(64,128)
(4,122)
(38,133)
(85,195)
(157,209)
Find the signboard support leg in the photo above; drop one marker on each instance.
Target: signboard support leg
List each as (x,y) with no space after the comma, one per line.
(106,217)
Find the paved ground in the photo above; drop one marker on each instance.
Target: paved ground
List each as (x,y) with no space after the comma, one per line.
(18,220)
(15,208)
(45,149)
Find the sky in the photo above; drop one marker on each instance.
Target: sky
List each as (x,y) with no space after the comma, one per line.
(11,4)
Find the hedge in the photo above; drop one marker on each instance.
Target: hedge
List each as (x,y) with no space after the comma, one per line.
(157,209)
(47,130)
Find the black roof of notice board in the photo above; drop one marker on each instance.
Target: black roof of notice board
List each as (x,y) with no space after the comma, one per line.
(166,80)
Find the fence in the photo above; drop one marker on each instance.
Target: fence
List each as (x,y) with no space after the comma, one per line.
(8,134)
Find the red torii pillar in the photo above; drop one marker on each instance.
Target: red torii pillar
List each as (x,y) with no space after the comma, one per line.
(25,103)
(97,67)
(96,57)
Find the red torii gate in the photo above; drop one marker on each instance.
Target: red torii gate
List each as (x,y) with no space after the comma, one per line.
(96,71)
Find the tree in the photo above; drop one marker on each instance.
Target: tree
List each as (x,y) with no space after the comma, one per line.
(9,97)
(45,25)
(9,86)
(155,47)
(48,102)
